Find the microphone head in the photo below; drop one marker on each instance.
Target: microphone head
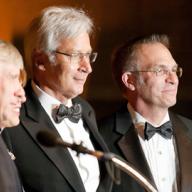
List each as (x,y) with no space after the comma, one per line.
(47,138)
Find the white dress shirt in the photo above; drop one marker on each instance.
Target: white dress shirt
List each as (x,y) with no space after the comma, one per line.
(87,165)
(159,152)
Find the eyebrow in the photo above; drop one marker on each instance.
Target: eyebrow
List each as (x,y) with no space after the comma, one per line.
(79,51)
(163,66)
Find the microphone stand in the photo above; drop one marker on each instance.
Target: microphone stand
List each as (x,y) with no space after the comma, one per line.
(50,140)
(115,159)
(125,167)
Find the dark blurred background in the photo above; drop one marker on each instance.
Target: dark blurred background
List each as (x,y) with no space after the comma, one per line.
(115,21)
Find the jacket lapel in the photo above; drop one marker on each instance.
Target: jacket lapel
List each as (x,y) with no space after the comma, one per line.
(35,120)
(89,121)
(130,146)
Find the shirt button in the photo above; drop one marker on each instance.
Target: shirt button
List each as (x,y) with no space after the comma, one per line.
(160,152)
(163,179)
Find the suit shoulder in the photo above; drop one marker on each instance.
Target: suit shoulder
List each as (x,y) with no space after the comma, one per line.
(107,119)
(83,102)
(107,125)
(185,120)
(121,113)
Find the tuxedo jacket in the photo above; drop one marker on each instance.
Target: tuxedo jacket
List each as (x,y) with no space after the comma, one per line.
(120,135)
(9,179)
(44,169)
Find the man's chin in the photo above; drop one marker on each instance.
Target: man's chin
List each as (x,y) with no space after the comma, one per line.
(171,103)
(79,90)
(13,123)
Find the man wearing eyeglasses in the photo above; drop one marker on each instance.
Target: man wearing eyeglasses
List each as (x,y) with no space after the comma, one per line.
(58,57)
(144,132)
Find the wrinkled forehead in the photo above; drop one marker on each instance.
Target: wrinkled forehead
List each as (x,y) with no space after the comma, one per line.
(155,54)
(11,58)
(8,67)
(9,54)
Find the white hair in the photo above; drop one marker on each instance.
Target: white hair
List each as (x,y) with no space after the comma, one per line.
(9,52)
(53,25)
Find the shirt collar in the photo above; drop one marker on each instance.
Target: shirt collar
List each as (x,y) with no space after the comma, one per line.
(139,120)
(47,101)
(1,130)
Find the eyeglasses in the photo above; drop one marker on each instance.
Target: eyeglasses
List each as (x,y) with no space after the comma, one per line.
(78,57)
(161,71)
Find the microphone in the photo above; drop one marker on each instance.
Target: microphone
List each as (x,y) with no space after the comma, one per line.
(49,139)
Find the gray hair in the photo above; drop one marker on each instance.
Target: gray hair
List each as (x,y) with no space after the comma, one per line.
(9,52)
(125,58)
(53,25)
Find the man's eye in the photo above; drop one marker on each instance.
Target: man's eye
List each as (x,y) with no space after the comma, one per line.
(159,70)
(13,77)
(175,70)
(75,54)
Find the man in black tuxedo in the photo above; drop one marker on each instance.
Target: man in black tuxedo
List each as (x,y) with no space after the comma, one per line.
(58,57)
(11,97)
(144,132)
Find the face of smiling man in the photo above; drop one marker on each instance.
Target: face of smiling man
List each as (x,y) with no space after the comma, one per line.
(156,90)
(65,77)
(11,93)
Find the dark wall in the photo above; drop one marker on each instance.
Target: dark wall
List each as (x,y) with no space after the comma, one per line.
(132,18)
(116,21)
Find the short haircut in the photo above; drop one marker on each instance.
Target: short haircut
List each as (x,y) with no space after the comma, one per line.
(50,27)
(125,57)
(9,52)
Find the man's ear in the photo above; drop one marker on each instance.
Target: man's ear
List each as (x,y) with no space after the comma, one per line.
(128,80)
(39,58)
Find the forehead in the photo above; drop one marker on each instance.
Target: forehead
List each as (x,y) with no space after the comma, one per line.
(11,59)
(78,43)
(155,54)
(10,55)
(9,66)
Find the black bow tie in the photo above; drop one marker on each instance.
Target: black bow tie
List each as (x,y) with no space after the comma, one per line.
(164,130)
(72,113)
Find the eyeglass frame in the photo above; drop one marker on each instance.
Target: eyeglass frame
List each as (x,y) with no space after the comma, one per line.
(79,55)
(178,71)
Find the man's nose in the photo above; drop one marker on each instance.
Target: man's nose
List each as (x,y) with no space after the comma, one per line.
(172,77)
(21,94)
(85,64)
